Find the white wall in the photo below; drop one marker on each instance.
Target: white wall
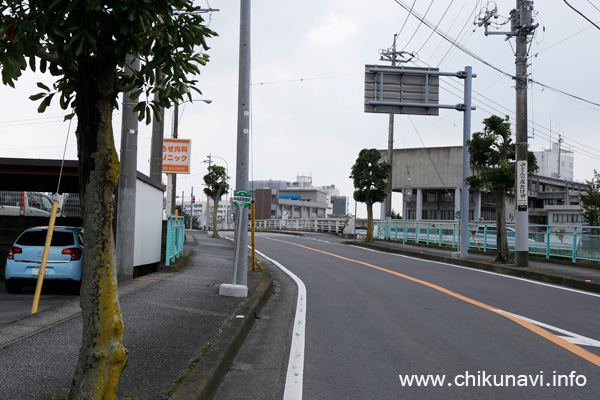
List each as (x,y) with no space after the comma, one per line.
(148,224)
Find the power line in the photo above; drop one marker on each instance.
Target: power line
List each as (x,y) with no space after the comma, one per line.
(580,13)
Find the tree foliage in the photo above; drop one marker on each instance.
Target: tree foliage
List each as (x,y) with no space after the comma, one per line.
(370,182)
(216,186)
(590,202)
(85,45)
(493,157)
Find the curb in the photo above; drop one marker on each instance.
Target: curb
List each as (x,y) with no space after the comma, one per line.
(206,376)
(500,269)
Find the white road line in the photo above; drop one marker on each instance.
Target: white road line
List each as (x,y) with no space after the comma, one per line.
(482,271)
(571,336)
(295,372)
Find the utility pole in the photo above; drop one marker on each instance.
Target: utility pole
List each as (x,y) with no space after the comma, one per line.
(127,181)
(207,213)
(522,26)
(156,145)
(392,56)
(239,287)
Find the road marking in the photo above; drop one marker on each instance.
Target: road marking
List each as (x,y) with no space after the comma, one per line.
(573,348)
(295,372)
(482,272)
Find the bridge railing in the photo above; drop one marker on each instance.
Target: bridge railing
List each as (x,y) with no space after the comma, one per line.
(175,238)
(331,225)
(571,242)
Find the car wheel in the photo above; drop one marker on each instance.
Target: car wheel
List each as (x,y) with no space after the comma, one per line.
(13,287)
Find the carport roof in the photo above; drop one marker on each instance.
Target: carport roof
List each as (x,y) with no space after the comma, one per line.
(38,175)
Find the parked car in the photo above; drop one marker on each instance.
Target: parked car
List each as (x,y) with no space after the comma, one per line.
(488,233)
(65,258)
(25,204)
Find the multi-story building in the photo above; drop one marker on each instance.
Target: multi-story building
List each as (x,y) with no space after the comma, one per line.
(435,177)
(555,162)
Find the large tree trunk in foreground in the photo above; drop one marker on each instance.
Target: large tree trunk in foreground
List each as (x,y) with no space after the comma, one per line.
(102,356)
(504,256)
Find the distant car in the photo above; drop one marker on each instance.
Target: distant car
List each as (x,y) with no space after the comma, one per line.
(488,233)
(65,259)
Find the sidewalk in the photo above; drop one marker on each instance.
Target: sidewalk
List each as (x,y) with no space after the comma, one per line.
(180,333)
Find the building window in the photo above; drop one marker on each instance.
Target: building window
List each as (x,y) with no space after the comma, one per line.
(429,214)
(430,197)
(447,198)
(447,215)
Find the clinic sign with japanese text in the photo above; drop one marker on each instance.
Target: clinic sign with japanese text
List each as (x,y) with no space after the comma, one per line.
(176,156)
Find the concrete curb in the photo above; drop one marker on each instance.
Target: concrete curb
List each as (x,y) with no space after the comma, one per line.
(500,269)
(206,376)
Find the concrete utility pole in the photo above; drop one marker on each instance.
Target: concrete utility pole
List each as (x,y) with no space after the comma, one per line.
(239,287)
(127,181)
(522,26)
(392,56)
(156,145)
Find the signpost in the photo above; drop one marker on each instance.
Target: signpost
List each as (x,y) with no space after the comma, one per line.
(242,199)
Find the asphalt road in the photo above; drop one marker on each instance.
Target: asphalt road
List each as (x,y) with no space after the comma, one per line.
(374,321)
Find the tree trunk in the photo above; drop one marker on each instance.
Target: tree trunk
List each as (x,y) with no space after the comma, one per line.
(102,356)
(215,228)
(369,238)
(504,256)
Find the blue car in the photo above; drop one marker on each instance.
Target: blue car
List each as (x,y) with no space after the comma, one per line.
(65,259)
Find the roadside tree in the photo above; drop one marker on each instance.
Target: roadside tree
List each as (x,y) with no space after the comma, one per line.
(370,182)
(493,157)
(84,45)
(590,203)
(216,182)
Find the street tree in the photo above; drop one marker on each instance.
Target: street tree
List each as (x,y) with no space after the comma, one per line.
(84,45)
(590,203)
(493,158)
(216,186)
(370,182)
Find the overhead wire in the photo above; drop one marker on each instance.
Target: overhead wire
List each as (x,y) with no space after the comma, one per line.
(419,26)
(438,24)
(459,33)
(580,13)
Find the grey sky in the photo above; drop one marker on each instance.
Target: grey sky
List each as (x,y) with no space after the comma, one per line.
(307,93)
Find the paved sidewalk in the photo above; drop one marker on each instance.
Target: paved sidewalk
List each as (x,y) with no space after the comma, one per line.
(176,325)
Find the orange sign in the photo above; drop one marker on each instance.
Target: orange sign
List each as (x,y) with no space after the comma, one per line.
(176,156)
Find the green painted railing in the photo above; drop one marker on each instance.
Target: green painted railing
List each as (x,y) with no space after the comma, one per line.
(175,238)
(572,242)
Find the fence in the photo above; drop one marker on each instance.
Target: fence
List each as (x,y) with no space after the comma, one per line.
(175,238)
(332,225)
(572,242)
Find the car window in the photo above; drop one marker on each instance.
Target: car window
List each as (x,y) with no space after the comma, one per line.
(46,204)
(38,238)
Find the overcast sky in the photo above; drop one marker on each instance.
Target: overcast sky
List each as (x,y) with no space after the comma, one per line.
(308,62)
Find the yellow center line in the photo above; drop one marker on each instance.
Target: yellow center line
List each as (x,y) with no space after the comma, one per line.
(591,357)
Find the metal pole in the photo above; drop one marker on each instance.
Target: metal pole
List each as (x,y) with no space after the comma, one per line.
(253,211)
(464,227)
(156,146)
(207,213)
(522,217)
(127,180)
(388,199)
(173,177)
(191,207)
(243,142)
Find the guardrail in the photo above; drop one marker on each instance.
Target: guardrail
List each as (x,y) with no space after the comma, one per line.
(332,225)
(175,238)
(572,242)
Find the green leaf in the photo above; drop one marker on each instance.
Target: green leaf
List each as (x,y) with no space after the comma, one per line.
(42,86)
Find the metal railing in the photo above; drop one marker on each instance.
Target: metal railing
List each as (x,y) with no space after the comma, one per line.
(331,225)
(175,238)
(572,242)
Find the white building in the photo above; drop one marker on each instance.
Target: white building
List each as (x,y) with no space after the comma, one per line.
(555,162)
